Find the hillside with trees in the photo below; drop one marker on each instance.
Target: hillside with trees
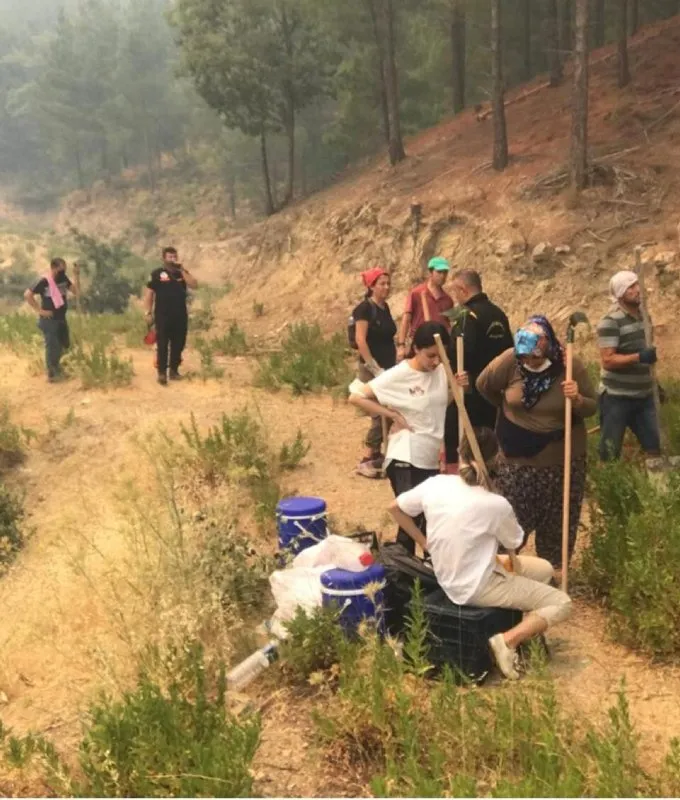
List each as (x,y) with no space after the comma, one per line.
(272,99)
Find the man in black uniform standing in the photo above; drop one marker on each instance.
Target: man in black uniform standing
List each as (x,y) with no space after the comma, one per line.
(165,301)
(486,334)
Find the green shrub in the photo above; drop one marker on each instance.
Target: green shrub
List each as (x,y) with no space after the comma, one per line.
(407,736)
(19,332)
(171,736)
(315,643)
(291,455)
(236,450)
(13,440)
(97,367)
(233,343)
(201,319)
(148,228)
(236,570)
(633,553)
(307,362)
(108,289)
(11,532)
(206,351)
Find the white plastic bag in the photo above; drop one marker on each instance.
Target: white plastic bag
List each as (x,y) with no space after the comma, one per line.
(339,551)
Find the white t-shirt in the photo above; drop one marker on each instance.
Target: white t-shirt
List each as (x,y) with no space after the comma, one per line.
(422,398)
(465,524)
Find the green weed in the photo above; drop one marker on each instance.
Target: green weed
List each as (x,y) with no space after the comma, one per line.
(307,362)
(170,736)
(291,455)
(201,319)
(13,440)
(238,573)
(405,736)
(314,644)
(233,343)
(97,367)
(11,530)
(258,309)
(19,333)
(206,351)
(633,553)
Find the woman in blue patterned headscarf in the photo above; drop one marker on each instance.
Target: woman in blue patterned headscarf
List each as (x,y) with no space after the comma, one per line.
(528,385)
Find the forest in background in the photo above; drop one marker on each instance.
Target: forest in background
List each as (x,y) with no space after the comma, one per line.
(270,98)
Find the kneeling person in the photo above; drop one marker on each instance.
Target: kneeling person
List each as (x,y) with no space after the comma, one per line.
(466,523)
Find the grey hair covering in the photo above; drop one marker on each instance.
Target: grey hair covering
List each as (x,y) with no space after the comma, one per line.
(621,283)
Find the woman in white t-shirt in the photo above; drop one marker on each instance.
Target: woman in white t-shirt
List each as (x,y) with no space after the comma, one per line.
(465,525)
(414,395)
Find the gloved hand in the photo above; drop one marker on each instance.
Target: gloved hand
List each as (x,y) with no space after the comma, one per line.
(648,355)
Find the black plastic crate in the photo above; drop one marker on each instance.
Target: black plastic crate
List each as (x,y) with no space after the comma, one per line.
(402,570)
(459,635)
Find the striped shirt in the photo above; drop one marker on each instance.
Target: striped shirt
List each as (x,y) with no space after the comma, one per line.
(626,334)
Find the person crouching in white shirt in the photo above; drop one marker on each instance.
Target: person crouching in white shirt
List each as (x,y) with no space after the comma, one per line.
(466,522)
(414,395)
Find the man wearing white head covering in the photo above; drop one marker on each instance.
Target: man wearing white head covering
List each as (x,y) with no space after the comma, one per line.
(626,399)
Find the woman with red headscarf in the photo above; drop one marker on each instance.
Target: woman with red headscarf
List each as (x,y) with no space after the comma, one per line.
(375,331)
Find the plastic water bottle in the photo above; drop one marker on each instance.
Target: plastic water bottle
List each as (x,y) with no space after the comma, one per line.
(251,667)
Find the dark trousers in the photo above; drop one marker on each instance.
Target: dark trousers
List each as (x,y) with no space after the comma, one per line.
(482,415)
(171,337)
(617,414)
(57,340)
(403,477)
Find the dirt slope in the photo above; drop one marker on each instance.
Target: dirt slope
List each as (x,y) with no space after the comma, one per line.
(63,638)
(304,262)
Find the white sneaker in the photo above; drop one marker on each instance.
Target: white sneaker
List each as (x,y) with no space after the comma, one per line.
(505,657)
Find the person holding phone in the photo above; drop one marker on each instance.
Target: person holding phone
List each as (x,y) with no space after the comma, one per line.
(165,302)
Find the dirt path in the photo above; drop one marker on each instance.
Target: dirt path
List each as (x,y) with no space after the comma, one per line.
(56,642)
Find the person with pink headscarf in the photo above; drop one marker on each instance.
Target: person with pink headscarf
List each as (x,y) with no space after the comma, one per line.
(626,399)
(375,330)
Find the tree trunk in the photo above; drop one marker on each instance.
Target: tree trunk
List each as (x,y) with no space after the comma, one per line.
(500,136)
(526,44)
(552,36)
(382,82)
(396,144)
(623,68)
(79,166)
(268,198)
(458,55)
(599,26)
(634,17)
(566,33)
(290,106)
(579,126)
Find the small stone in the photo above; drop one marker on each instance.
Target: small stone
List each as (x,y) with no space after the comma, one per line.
(665,258)
(563,249)
(543,252)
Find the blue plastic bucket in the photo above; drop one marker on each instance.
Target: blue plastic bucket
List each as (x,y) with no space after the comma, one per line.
(358,595)
(301,523)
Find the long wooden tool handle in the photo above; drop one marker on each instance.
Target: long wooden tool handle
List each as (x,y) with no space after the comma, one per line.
(567,470)
(469,430)
(649,341)
(460,363)
(426,306)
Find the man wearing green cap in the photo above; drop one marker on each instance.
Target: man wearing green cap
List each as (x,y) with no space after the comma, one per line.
(427,302)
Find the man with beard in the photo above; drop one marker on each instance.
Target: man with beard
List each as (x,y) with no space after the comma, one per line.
(53,289)
(165,301)
(626,399)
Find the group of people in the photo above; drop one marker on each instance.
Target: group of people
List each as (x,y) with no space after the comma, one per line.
(165,308)
(515,389)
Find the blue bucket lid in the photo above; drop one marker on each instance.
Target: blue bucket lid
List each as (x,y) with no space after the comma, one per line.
(300,506)
(344,579)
